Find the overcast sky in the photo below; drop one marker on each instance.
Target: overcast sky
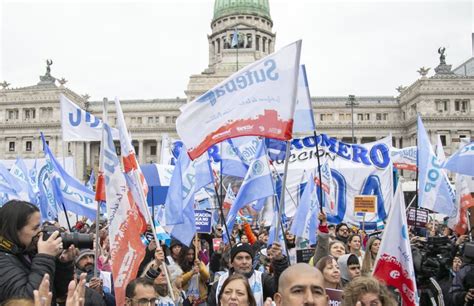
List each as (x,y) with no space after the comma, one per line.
(145,49)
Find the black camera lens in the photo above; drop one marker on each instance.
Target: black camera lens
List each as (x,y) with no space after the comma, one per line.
(80,241)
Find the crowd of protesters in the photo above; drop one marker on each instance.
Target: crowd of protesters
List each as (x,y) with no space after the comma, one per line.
(38,270)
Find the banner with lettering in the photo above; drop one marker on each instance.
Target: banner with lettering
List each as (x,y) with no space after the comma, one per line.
(257,100)
(356,169)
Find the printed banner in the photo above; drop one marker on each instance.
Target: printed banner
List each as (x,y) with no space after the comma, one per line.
(257,100)
(356,169)
(79,125)
(404,159)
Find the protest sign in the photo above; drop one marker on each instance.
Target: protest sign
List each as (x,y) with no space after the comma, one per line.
(304,255)
(421,215)
(365,204)
(203,221)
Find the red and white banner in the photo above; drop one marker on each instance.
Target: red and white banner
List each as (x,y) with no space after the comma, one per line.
(394,263)
(125,221)
(404,159)
(257,100)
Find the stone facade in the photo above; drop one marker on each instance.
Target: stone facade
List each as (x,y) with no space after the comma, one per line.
(445,101)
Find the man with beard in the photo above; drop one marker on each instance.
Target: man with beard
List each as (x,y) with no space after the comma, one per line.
(102,286)
(263,285)
(342,232)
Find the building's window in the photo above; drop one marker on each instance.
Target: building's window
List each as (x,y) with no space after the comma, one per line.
(46,112)
(404,115)
(136,150)
(264,42)
(218,45)
(30,113)
(367,116)
(360,117)
(139,120)
(157,119)
(174,119)
(150,119)
(461,105)
(11,146)
(12,114)
(442,105)
(153,150)
(443,140)
(257,43)
(378,116)
(29,146)
(384,116)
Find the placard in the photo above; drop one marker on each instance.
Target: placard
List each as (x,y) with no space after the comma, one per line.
(365,203)
(304,255)
(335,297)
(422,216)
(203,221)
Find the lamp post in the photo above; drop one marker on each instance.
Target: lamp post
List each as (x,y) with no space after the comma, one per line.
(352,102)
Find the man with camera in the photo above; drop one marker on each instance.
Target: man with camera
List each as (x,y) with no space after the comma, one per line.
(462,291)
(25,256)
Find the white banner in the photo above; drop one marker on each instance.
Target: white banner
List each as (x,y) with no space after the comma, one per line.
(257,100)
(79,125)
(356,169)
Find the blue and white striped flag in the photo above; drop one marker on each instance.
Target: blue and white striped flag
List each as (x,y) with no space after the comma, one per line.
(305,222)
(462,161)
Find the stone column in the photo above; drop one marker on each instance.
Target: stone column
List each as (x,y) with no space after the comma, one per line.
(88,154)
(141,153)
(159,143)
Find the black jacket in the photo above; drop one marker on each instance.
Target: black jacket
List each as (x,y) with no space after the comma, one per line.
(463,281)
(20,275)
(269,282)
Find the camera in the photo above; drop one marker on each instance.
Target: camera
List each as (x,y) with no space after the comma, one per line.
(80,241)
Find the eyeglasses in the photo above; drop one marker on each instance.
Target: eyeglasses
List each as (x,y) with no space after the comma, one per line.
(219,229)
(344,230)
(144,302)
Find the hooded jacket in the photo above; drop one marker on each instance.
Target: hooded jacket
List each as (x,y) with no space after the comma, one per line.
(344,269)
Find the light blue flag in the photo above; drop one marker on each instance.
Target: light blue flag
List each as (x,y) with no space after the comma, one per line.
(271,235)
(434,190)
(75,196)
(8,183)
(185,231)
(305,222)
(257,184)
(231,162)
(462,161)
(18,170)
(91,182)
(47,202)
(303,121)
(188,177)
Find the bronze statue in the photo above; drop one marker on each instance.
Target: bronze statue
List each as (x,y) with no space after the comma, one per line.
(442,57)
(48,67)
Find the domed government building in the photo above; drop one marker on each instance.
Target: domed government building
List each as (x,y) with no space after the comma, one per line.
(445,100)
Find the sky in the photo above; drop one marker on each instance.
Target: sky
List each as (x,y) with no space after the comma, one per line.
(147,49)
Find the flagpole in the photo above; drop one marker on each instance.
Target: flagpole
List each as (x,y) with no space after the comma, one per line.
(416,177)
(279,176)
(105,103)
(64,165)
(319,171)
(282,198)
(219,202)
(152,223)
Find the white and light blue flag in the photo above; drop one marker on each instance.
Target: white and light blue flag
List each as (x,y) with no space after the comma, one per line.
(305,222)
(19,171)
(435,192)
(462,161)
(79,125)
(257,184)
(75,196)
(304,118)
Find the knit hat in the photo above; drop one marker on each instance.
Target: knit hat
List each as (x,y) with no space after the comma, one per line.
(241,247)
(83,253)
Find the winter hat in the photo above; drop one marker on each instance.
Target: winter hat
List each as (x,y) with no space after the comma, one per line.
(82,253)
(241,247)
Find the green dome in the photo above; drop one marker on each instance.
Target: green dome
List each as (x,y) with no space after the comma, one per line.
(233,7)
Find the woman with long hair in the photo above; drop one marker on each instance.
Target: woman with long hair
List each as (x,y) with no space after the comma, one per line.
(195,276)
(236,291)
(330,269)
(354,245)
(370,255)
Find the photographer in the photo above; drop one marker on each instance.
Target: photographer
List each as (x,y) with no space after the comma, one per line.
(25,257)
(462,291)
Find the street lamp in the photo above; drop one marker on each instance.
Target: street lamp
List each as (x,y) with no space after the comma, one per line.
(352,102)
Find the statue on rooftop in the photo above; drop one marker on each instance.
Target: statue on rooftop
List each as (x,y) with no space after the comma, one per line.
(442,57)
(48,67)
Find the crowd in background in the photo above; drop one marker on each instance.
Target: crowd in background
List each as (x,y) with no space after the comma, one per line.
(36,268)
